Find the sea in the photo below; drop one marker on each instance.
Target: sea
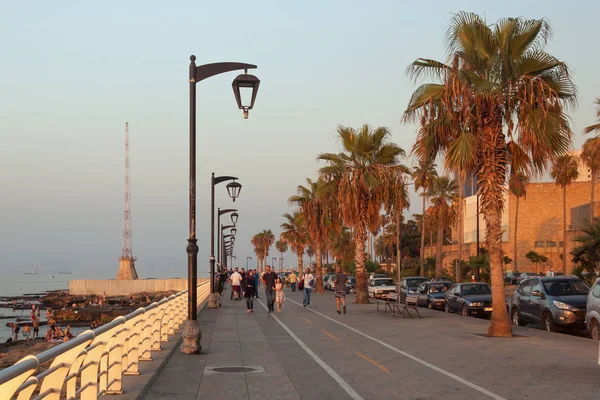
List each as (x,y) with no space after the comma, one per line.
(17,282)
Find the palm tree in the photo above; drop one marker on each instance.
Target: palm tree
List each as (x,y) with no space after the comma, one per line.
(314,216)
(517,185)
(500,98)
(564,171)
(267,241)
(358,179)
(310,252)
(423,175)
(281,247)
(341,245)
(594,127)
(442,193)
(587,252)
(257,241)
(590,154)
(294,235)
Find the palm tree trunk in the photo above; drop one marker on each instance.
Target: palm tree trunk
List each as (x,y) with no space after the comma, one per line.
(592,199)
(515,254)
(439,267)
(492,176)
(300,254)
(458,272)
(362,296)
(422,255)
(398,244)
(319,270)
(564,257)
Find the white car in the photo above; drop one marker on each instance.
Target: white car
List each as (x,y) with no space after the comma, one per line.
(328,281)
(381,287)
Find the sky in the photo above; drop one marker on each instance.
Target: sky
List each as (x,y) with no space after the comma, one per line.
(72,73)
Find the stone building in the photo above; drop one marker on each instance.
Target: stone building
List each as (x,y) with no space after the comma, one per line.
(539,225)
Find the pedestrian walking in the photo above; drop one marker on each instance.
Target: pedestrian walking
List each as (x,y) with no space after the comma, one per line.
(256,282)
(269,278)
(309,281)
(293,280)
(340,289)
(279,296)
(236,281)
(249,290)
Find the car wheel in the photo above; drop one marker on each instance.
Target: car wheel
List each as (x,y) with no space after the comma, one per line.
(515,318)
(430,305)
(465,311)
(595,329)
(548,322)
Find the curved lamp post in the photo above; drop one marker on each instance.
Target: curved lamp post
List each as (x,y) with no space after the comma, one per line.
(247,258)
(223,242)
(220,232)
(191,330)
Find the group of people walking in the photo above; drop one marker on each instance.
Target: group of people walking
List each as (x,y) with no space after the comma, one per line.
(245,285)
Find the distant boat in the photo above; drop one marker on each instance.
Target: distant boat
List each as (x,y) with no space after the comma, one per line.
(30,273)
(65,273)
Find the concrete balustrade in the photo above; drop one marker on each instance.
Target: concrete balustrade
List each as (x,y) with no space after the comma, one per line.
(93,363)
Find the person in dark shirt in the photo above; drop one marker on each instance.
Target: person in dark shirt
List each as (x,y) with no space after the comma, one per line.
(340,289)
(248,290)
(269,280)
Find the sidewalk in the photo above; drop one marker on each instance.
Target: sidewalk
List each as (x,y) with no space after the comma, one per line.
(367,354)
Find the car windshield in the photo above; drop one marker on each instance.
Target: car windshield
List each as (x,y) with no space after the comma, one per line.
(414,282)
(438,287)
(566,287)
(475,289)
(384,282)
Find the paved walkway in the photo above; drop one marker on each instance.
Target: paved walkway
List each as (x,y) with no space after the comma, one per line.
(308,353)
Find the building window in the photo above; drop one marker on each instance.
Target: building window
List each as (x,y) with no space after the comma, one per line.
(550,243)
(540,244)
(561,243)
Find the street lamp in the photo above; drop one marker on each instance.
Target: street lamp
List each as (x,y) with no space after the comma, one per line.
(281,264)
(191,330)
(247,258)
(222,242)
(220,232)
(212,298)
(234,188)
(245,80)
(234,217)
(273,260)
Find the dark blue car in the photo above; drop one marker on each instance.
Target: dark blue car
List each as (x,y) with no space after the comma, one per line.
(431,294)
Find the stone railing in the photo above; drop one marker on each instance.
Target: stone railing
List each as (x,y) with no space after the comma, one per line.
(93,363)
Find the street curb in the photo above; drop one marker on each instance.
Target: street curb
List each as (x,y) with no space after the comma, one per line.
(144,390)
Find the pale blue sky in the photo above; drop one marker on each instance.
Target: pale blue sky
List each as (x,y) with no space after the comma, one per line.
(73,72)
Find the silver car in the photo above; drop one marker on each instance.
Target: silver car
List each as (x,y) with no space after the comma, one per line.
(592,317)
(328,281)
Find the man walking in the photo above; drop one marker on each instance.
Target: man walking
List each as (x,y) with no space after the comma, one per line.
(236,280)
(269,281)
(340,289)
(293,280)
(309,281)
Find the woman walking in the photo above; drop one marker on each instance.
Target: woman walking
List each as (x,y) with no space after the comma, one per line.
(249,291)
(279,296)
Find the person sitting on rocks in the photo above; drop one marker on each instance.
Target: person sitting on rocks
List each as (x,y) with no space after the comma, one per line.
(48,335)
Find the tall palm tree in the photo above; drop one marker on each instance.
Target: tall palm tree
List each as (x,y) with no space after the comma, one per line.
(442,193)
(517,185)
(267,241)
(281,247)
(564,171)
(500,98)
(590,154)
(257,241)
(310,252)
(423,175)
(316,219)
(358,178)
(294,235)
(341,245)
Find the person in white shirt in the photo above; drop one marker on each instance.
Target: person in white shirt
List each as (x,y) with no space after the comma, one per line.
(309,282)
(236,281)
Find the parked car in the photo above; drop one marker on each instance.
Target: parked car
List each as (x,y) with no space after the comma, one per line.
(554,273)
(552,302)
(469,298)
(373,276)
(409,285)
(326,279)
(431,294)
(351,285)
(592,316)
(381,287)
(524,276)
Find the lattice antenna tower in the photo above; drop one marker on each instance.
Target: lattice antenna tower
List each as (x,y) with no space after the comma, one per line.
(127,251)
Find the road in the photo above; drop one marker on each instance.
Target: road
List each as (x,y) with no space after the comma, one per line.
(313,352)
